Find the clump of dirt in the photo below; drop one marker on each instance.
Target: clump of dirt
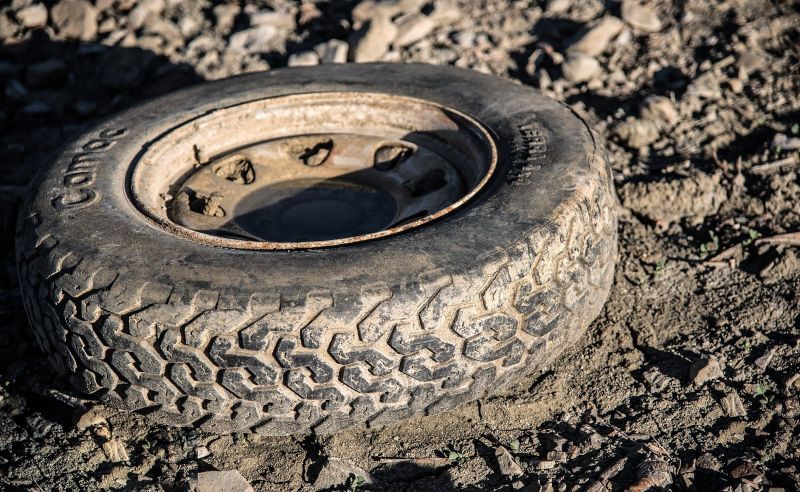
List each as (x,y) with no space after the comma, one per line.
(672,199)
(687,381)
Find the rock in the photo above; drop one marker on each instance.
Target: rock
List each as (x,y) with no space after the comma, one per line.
(763,361)
(335,473)
(445,12)
(75,19)
(746,469)
(36,108)
(637,134)
(784,142)
(33,16)
(201,452)
(144,12)
(190,26)
(640,16)
(15,90)
(227,480)
(579,67)
(732,405)
(114,450)
(507,464)
(752,60)
(652,474)
(658,109)
(411,28)
(8,28)
(164,29)
(281,20)
(225,14)
(670,200)
(261,39)
(373,39)
(332,51)
(595,40)
(705,369)
(555,7)
(45,73)
(705,86)
(544,464)
(91,418)
(84,108)
(303,59)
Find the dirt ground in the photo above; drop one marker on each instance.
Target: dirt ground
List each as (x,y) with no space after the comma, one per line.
(689,379)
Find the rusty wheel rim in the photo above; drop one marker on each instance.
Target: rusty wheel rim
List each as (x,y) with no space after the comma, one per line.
(312,170)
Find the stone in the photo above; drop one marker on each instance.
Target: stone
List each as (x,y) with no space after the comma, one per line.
(658,109)
(555,7)
(641,17)
(15,90)
(507,464)
(373,39)
(636,133)
(8,28)
(596,39)
(164,29)
(763,361)
(335,473)
(303,59)
(411,28)
(33,16)
(732,405)
(75,19)
(332,51)
(36,108)
(144,11)
(544,464)
(225,14)
(45,73)
(579,67)
(282,20)
(261,39)
(227,480)
(705,369)
(91,418)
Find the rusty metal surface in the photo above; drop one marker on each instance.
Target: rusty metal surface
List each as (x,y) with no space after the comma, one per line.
(312,170)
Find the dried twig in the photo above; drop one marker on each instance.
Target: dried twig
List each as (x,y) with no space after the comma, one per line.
(791,238)
(725,257)
(775,165)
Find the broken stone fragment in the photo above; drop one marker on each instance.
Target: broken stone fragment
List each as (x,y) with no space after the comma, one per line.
(596,39)
(637,133)
(411,28)
(219,480)
(265,38)
(642,17)
(303,59)
(33,16)
(507,464)
(658,109)
(732,405)
(332,51)
(75,19)
(335,472)
(373,39)
(705,369)
(579,67)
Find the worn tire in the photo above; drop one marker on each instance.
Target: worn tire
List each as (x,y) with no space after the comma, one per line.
(283,342)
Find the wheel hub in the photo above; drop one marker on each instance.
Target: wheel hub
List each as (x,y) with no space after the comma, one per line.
(312,170)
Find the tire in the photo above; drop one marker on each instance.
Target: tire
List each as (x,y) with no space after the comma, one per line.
(286,342)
